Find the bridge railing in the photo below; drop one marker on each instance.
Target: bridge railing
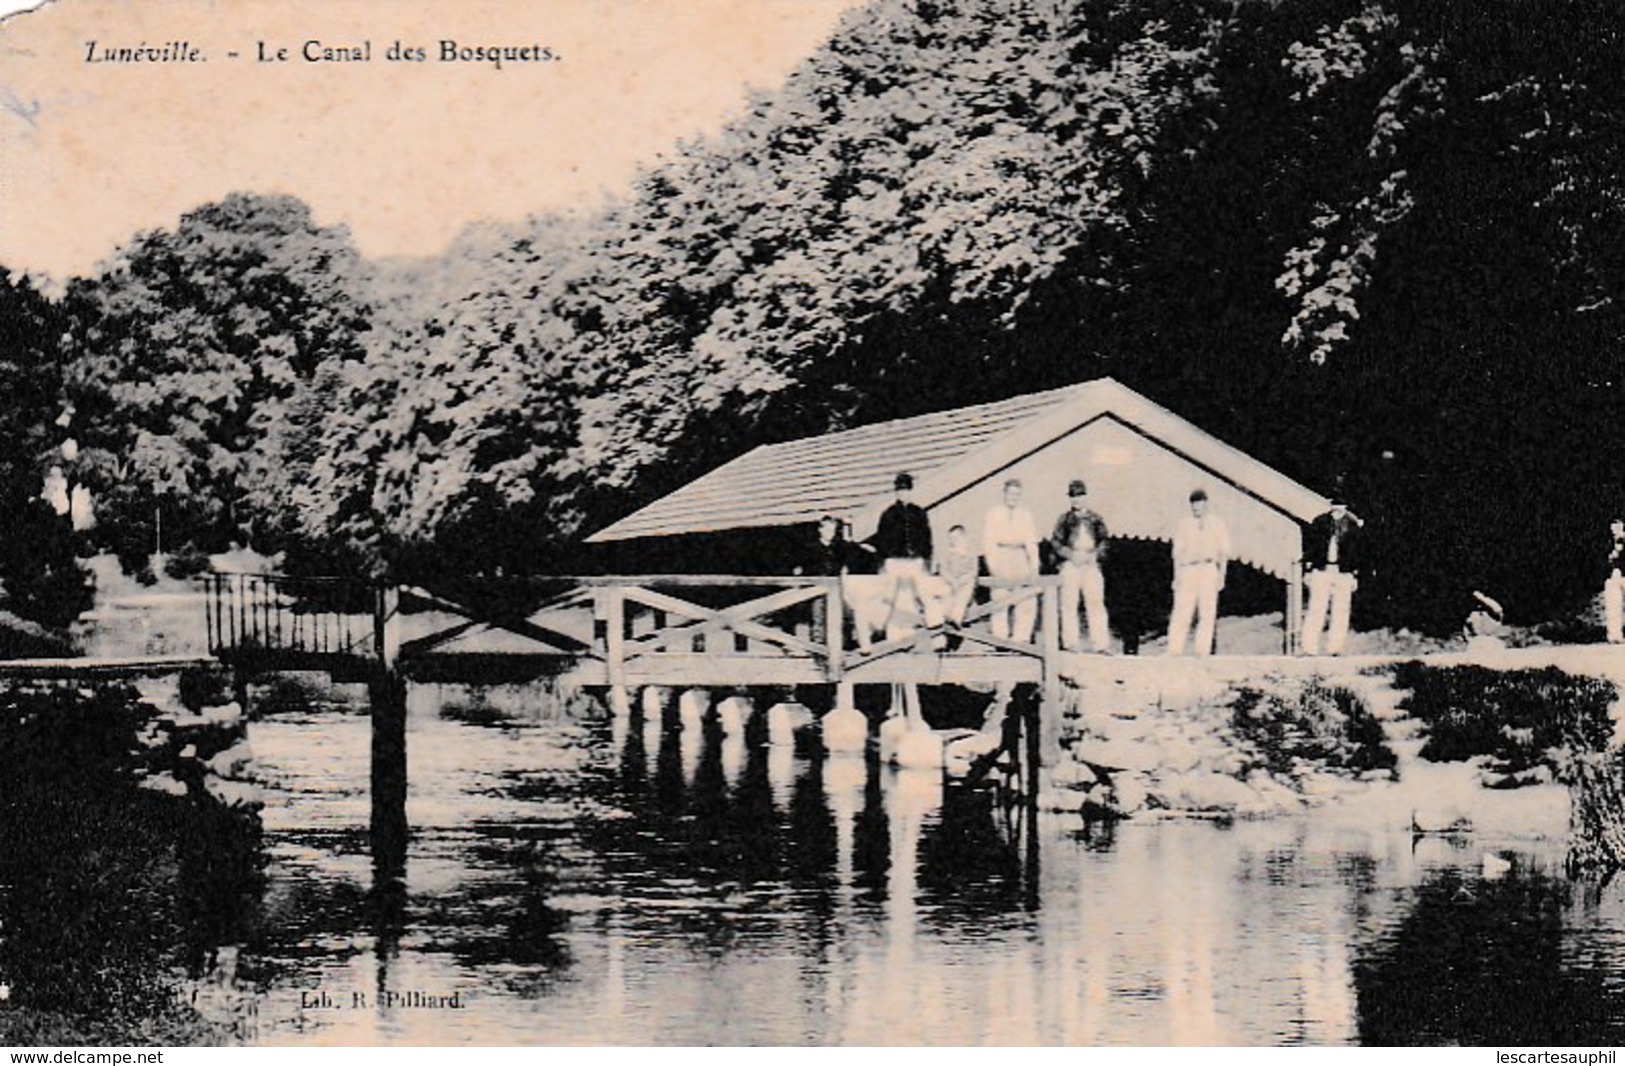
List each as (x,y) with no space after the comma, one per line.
(271,615)
(830,625)
(753,629)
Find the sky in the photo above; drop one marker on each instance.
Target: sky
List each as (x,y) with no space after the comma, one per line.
(405,153)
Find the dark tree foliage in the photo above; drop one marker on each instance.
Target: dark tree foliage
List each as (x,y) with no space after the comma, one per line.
(40,578)
(1377,245)
(196,379)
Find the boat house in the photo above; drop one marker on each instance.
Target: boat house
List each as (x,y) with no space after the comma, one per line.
(1140,461)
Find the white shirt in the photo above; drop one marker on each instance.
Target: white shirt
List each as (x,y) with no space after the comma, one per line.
(1201,540)
(1006,531)
(1009,527)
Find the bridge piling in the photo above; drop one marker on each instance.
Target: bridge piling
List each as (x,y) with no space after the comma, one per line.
(386,693)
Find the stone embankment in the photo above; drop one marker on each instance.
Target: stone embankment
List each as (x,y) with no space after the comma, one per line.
(1182,742)
(1171,739)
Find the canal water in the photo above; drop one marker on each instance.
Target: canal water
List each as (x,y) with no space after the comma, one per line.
(573,879)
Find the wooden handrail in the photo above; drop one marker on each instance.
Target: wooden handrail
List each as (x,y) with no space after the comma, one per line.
(781,580)
(674,580)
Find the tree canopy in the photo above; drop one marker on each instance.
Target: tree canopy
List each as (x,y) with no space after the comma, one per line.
(1378,245)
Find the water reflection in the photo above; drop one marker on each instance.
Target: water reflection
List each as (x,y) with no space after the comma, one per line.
(580,877)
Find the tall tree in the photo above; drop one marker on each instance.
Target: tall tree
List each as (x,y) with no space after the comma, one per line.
(196,349)
(40,578)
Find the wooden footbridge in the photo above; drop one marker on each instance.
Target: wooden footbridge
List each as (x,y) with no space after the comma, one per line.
(712,631)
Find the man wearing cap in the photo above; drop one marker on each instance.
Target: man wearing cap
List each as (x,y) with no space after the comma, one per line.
(1331,553)
(1079,542)
(1201,556)
(1010,545)
(903,543)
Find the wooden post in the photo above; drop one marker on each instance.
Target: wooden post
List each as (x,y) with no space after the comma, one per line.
(1036,719)
(1294,608)
(1035,779)
(208,615)
(1043,725)
(386,691)
(386,627)
(239,687)
(615,635)
(1050,623)
(834,631)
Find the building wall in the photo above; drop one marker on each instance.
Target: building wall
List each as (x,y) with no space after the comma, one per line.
(1140,488)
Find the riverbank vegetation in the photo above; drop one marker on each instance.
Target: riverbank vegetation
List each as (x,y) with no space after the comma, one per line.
(1327,725)
(1516,719)
(112,897)
(1355,238)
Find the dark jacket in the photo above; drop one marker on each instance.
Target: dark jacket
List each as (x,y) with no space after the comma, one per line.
(1317,543)
(904,532)
(832,559)
(1066,531)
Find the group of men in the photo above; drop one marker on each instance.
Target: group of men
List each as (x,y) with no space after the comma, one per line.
(917,581)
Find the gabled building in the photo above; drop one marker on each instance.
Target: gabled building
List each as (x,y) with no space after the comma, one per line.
(1140,461)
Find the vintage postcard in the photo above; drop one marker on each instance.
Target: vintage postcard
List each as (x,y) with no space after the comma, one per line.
(812,523)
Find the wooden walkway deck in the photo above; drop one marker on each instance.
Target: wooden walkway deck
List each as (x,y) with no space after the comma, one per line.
(122,666)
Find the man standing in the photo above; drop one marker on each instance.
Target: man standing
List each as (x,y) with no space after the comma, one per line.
(1331,554)
(1613,589)
(903,543)
(1201,556)
(1079,542)
(1010,544)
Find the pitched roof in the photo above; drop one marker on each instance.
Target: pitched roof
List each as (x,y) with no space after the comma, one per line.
(851,472)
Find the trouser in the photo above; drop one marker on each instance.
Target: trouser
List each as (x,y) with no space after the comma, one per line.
(1328,589)
(959,600)
(1084,581)
(909,577)
(1196,594)
(1018,622)
(1613,607)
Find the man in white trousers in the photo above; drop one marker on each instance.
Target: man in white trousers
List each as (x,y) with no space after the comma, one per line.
(1613,590)
(1331,556)
(1010,546)
(1201,556)
(1079,541)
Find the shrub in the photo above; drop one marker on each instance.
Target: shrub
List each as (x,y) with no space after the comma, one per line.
(1330,725)
(108,892)
(1517,717)
(187,563)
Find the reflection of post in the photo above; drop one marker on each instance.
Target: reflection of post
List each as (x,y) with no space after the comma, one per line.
(387,693)
(733,756)
(845,778)
(781,776)
(910,796)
